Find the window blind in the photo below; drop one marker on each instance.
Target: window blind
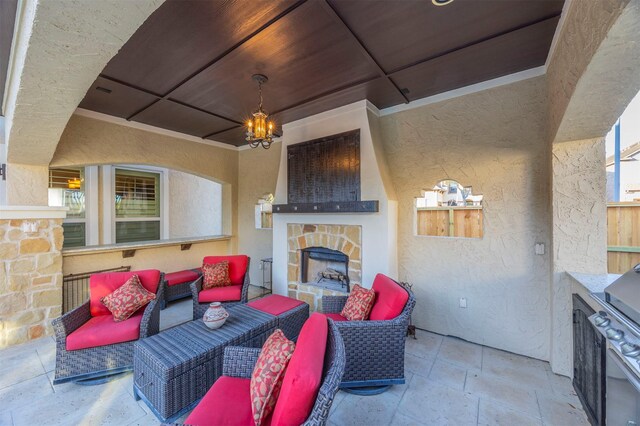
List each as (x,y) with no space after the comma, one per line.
(137,194)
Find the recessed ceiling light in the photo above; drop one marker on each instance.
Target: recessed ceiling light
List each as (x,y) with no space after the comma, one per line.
(441,2)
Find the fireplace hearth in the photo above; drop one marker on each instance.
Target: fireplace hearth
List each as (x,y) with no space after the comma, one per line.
(324,267)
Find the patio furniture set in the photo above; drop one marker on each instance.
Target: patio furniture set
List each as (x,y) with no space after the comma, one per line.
(190,365)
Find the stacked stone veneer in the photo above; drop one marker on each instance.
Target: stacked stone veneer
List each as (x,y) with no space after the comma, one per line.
(344,238)
(30,279)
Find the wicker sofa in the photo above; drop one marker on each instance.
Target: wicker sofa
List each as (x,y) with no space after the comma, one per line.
(237,292)
(374,348)
(90,346)
(228,401)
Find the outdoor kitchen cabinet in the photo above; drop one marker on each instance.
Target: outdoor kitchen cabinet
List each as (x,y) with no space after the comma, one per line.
(589,356)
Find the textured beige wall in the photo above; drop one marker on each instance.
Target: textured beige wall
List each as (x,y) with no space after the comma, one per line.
(579,233)
(59,49)
(166,259)
(586,24)
(495,141)
(195,206)
(258,173)
(87,141)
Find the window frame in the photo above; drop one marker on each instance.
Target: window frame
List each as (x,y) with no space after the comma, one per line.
(109,202)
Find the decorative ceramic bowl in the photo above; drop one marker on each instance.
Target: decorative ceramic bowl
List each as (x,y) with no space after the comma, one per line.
(215,316)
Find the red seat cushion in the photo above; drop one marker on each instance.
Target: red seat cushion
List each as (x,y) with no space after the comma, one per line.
(230,293)
(304,374)
(390,300)
(181,277)
(103,330)
(275,304)
(237,266)
(101,285)
(228,402)
(336,317)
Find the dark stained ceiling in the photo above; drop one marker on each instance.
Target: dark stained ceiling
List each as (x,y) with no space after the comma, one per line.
(188,68)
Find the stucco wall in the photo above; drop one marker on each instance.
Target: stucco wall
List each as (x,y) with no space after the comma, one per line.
(258,173)
(195,206)
(87,141)
(579,233)
(585,25)
(494,140)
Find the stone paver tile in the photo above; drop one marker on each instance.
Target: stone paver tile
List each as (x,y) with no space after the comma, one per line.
(516,397)
(19,367)
(147,420)
(460,352)
(516,369)
(561,412)
(417,365)
(47,356)
(5,418)
(563,389)
(82,405)
(402,420)
(492,414)
(425,344)
(357,410)
(448,374)
(25,393)
(435,404)
(337,400)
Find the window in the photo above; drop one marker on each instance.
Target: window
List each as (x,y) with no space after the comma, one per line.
(137,206)
(67,189)
(449,210)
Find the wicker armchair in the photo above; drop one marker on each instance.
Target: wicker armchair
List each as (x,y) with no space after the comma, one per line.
(94,365)
(240,361)
(241,278)
(374,349)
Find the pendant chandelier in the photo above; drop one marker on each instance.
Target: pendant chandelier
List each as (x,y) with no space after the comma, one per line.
(259,131)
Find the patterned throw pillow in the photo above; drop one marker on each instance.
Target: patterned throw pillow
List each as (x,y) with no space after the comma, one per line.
(127,299)
(358,304)
(267,376)
(215,275)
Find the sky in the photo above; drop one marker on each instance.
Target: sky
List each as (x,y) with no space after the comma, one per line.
(629,127)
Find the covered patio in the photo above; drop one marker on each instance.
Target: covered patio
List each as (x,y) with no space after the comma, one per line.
(453,148)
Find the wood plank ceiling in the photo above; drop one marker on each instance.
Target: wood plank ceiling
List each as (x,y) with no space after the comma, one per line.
(188,67)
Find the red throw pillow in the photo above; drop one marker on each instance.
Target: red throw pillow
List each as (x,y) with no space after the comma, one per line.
(215,275)
(127,299)
(267,376)
(358,304)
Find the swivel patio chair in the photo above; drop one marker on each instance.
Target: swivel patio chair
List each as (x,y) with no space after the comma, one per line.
(233,294)
(375,347)
(229,402)
(90,346)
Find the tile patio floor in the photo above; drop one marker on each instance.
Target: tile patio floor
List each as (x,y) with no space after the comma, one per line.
(449,382)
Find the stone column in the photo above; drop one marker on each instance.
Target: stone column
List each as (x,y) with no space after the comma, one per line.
(579,215)
(30,272)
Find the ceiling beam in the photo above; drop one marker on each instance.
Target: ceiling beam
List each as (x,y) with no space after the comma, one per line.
(167,96)
(338,19)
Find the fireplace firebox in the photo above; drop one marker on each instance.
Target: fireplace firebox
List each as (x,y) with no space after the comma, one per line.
(324,267)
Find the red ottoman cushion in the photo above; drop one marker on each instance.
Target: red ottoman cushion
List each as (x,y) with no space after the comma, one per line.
(237,266)
(103,330)
(336,317)
(304,374)
(390,300)
(101,285)
(227,403)
(230,293)
(275,304)
(181,277)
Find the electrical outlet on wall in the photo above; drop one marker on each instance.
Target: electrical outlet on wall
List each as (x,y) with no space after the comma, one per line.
(29,227)
(539,248)
(463,302)
(260,265)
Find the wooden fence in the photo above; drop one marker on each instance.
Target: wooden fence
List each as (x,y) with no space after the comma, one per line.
(623,236)
(450,221)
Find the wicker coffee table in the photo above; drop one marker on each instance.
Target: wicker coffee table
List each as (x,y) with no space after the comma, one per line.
(175,368)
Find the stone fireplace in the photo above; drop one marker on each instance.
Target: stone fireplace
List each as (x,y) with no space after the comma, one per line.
(303,270)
